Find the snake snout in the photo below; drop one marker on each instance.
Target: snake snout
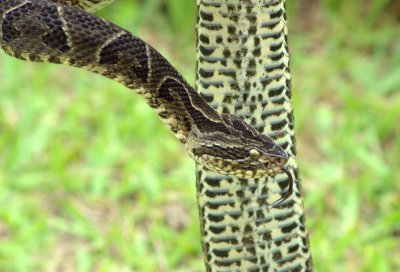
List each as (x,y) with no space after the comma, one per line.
(280,152)
(276,151)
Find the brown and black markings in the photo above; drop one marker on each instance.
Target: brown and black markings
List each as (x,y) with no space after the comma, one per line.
(43,31)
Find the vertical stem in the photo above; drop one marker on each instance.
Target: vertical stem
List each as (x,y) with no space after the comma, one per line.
(243,69)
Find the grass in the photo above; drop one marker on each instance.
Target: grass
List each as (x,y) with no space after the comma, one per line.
(90,180)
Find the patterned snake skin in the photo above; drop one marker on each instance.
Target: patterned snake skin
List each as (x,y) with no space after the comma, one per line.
(44,31)
(240,230)
(243,69)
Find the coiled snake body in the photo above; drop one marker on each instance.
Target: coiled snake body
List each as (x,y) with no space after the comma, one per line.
(37,30)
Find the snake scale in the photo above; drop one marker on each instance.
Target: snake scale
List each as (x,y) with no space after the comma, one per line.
(243,69)
(225,147)
(45,31)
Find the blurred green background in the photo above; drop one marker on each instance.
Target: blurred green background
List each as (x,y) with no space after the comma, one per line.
(90,180)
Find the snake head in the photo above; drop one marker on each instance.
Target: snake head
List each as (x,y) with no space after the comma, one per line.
(235,148)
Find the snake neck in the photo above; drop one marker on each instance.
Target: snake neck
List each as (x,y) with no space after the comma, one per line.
(42,31)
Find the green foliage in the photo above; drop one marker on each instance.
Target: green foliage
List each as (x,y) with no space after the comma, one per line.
(90,180)
(346,69)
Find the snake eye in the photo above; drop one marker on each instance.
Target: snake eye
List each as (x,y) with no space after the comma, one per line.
(254,154)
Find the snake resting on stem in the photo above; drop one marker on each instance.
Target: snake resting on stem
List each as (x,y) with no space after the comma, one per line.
(57,32)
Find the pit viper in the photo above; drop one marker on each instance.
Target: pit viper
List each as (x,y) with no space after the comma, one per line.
(243,69)
(65,32)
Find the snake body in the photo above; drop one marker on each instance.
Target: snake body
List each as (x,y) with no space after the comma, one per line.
(240,232)
(243,69)
(43,31)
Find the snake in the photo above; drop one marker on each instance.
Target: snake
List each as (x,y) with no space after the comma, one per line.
(66,32)
(243,69)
